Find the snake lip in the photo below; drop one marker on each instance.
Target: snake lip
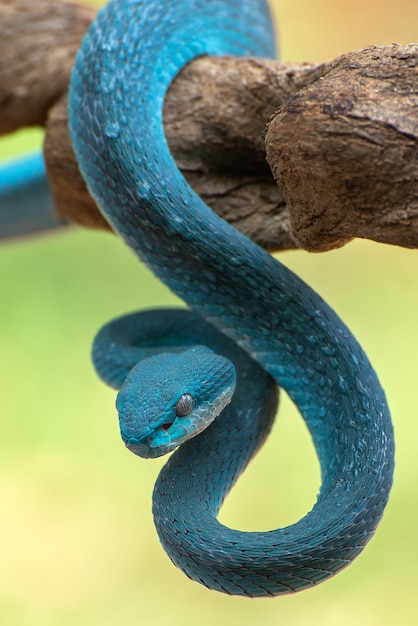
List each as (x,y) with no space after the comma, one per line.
(141,447)
(137,448)
(146,446)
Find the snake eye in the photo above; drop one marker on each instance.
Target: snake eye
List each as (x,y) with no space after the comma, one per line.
(184,405)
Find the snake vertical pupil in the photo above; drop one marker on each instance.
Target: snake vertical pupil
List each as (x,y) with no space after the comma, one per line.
(184,405)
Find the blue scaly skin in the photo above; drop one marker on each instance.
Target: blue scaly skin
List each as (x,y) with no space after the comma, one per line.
(132,52)
(26,203)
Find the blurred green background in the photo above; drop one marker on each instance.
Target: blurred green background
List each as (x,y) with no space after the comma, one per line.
(77,542)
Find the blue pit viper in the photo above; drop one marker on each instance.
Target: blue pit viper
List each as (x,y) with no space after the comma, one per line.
(252,325)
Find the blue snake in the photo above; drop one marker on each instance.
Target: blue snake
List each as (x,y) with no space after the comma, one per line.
(204,380)
(26,203)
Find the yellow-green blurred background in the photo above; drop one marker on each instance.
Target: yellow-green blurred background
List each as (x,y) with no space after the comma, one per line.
(77,543)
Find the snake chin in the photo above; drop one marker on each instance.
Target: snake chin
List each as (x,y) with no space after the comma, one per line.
(148,403)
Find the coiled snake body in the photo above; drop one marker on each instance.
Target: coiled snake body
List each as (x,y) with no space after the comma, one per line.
(275,326)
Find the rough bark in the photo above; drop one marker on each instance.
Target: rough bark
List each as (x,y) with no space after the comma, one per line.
(38,43)
(343,150)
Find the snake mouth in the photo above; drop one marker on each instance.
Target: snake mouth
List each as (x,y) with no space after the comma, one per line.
(162,440)
(144,451)
(141,447)
(154,443)
(138,449)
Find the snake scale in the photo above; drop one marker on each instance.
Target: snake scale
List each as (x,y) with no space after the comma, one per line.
(251,325)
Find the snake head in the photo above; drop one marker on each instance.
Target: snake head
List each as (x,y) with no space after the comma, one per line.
(169,398)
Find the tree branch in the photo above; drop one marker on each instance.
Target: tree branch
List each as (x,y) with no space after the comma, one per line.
(343,150)
(38,43)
